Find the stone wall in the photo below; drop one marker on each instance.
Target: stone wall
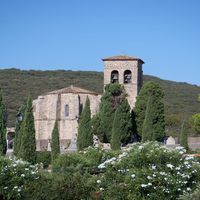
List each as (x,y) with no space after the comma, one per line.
(132,89)
(50,107)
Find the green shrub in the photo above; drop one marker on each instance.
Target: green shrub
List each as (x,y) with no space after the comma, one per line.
(86,161)
(19,179)
(148,171)
(43,157)
(194,196)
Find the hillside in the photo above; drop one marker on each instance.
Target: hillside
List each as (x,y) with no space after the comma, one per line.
(180,98)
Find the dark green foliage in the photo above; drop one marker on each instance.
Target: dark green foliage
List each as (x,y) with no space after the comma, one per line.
(85,137)
(180,98)
(27,149)
(114,94)
(195,122)
(148,129)
(121,129)
(133,122)
(3,144)
(43,157)
(195,195)
(55,142)
(95,125)
(184,135)
(154,123)
(18,133)
(149,88)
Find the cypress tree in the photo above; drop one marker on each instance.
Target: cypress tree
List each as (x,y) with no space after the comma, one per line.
(154,122)
(85,137)
(27,149)
(147,130)
(18,130)
(184,135)
(114,94)
(121,129)
(55,142)
(3,143)
(149,88)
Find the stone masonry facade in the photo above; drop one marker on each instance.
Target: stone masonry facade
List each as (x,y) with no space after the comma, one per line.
(65,105)
(123,67)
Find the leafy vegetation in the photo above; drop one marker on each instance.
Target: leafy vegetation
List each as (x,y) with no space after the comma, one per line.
(112,97)
(184,135)
(27,150)
(85,137)
(153,126)
(18,129)
(121,129)
(3,144)
(138,172)
(55,142)
(180,98)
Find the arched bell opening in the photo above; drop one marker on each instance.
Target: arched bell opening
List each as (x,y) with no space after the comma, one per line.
(127,76)
(115,76)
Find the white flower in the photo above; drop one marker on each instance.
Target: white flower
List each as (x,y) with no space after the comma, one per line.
(98,181)
(143,185)
(140,147)
(133,176)
(188,189)
(189,158)
(22,175)
(153,167)
(149,177)
(170,166)
(101,189)
(149,184)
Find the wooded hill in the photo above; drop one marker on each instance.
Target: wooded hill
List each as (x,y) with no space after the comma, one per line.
(180,98)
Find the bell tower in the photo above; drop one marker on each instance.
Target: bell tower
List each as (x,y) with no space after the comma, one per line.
(126,71)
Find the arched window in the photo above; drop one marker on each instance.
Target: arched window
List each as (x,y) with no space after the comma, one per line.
(114,76)
(66,110)
(127,76)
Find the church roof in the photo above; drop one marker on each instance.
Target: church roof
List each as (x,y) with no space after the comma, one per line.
(72,89)
(122,58)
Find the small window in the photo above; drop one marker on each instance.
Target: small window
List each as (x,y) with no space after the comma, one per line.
(127,76)
(114,76)
(66,110)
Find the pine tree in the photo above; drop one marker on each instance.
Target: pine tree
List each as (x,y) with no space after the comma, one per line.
(3,143)
(55,142)
(121,129)
(18,129)
(149,88)
(27,149)
(85,137)
(184,135)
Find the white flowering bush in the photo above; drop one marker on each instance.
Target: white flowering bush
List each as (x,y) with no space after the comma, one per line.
(142,171)
(16,176)
(86,161)
(148,171)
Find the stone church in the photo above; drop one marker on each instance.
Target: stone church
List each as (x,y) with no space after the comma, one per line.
(65,105)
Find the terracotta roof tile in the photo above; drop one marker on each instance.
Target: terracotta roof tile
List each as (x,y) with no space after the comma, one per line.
(121,57)
(72,89)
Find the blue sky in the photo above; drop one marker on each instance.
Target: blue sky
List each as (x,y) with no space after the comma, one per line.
(77,34)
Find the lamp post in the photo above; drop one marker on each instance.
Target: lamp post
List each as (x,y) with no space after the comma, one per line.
(19,117)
